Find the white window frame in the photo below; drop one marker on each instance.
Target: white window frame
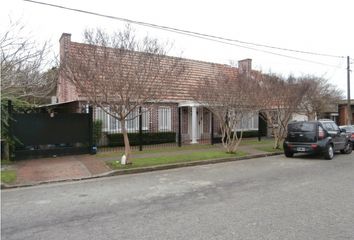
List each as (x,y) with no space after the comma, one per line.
(164,118)
(248,122)
(107,120)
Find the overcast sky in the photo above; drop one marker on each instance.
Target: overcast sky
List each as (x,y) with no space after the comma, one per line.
(323,26)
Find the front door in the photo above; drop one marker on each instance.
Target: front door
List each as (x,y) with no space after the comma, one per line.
(199,122)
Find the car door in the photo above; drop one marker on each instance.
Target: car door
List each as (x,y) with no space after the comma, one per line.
(335,135)
(341,137)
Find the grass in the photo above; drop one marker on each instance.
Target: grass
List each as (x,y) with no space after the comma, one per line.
(163,149)
(156,150)
(6,162)
(8,176)
(186,157)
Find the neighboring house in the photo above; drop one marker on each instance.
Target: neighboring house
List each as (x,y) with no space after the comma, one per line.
(343,112)
(163,116)
(331,112)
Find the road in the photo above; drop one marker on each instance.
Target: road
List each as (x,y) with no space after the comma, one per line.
(265,198)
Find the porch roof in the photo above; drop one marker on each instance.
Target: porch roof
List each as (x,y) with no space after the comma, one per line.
(189,104)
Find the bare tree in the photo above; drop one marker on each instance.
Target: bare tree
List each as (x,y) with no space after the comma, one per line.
(23,62)
(22,71)
(231,99)
(320,96)
(280,99)
(119,73)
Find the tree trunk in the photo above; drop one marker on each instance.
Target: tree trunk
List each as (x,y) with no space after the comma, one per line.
(277,143)
(237,141)
(127,150)
(276,138)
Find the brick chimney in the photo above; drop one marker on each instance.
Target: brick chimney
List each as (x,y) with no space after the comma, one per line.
(245,66)
(66,91)
(64,42)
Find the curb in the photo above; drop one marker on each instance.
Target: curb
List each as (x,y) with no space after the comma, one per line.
(146,169)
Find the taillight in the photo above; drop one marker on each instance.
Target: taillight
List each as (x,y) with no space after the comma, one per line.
(321,133)
(352,135)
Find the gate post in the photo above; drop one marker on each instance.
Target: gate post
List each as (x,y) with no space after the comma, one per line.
(259,128)
(140,129)
(92,148)
(179,127)
(212,129)
(10,141)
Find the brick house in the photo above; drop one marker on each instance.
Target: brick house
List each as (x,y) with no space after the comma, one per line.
(163,116)
(343,112)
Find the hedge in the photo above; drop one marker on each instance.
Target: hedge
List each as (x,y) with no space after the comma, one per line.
(116,139)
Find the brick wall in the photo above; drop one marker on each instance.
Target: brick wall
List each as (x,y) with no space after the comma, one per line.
(343,114)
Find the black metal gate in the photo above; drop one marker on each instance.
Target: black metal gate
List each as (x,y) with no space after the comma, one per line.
(42,134)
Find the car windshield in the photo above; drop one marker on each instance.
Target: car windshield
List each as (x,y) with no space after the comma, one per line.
(302,127)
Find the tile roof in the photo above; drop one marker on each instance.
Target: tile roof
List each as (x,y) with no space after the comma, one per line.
(181,88)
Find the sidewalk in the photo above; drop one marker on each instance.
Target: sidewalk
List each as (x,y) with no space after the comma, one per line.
(69,168)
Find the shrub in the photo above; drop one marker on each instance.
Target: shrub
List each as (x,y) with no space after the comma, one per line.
(97,131)
(116,139)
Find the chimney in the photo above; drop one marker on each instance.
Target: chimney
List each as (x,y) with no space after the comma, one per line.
(64,42)
(65,38)
(245,66)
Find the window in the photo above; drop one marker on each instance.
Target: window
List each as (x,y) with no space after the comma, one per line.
(248,121)
(302,127)
(335,127)
(164,114)
(328,126)
(100,114)
(111,124)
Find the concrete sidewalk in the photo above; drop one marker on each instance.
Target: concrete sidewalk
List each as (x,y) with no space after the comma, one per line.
(69,168)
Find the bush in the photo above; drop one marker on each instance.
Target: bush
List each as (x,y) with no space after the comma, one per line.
(249,134)
(116,139)
(97,131)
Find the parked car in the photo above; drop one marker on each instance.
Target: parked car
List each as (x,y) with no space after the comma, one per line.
(318,137)
(350,132)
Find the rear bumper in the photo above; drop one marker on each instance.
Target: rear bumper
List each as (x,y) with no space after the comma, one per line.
(313,148)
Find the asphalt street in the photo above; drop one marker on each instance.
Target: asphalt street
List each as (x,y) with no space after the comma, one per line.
(264,198)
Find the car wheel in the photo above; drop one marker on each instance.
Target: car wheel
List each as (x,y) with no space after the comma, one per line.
(288,154)
(348,148)
(329,153)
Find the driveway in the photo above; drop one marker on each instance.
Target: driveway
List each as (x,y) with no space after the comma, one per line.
(264,198)
(59,169)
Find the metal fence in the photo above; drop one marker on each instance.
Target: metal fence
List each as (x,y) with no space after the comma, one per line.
(166,125)
(154,127)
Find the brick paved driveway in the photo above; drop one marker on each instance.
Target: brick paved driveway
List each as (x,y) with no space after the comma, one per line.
(59,168)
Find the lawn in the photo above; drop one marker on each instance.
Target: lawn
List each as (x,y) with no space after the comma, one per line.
(156,150)
(176,158)
(163,149)
(8,176)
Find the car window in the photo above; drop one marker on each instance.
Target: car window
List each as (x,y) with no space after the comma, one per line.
(328,126)
(335,127)
(302,127)
(349,129)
